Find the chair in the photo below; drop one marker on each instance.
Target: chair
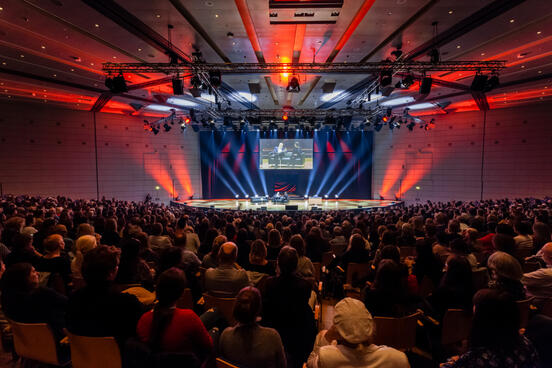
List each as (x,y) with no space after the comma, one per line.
(186,300)
(221,363)
(456,326)
(35,341)
(224,305)
(93,352)
(480,278)
(407,252)
(524,307)
(399,333)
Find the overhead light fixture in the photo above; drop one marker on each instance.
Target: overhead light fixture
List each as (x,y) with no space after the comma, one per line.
(425,85)
(386,77)
(492,83)
(293,85)
(479,82)
(181,102)
(177,85)
(406,82)
(155,107)
(421,106)
(215,78)
(116,84)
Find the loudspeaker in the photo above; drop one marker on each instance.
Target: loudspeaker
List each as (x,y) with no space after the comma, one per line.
(178,88)
(292,207)
(425,86)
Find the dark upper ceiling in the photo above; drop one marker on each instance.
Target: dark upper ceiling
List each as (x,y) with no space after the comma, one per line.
(53,50)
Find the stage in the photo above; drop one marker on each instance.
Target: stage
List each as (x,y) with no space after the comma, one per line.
(293,205)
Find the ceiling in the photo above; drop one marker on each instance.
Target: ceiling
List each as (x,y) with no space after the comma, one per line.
(52,50)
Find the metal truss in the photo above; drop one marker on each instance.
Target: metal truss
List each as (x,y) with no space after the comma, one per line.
(313,68)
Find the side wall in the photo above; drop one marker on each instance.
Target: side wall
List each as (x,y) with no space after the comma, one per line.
(448,163)
(51,151)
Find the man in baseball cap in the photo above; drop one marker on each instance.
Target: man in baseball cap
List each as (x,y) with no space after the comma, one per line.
(348,343)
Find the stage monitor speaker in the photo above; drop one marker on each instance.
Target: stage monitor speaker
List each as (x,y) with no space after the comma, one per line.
(212,206)
(292,207)
(425,85)
(263,208)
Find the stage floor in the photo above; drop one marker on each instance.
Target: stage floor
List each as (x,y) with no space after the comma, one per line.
(302,205)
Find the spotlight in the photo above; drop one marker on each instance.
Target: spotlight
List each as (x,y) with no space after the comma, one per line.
(386,77)
(237,196)
(306,196)
(406,82)
(492,83)
(479,82)
(434,56)
(116,84)
(411,126)
(177,86)
(187,120)
(167,127)
(385,119)
(285,117)
(246,196)
(293,85)
(336,196)
(155,130)
(326,196)
(397,53)
(425,85)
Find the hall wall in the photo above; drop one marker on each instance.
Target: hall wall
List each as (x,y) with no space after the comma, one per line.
(447,163)
(47,150)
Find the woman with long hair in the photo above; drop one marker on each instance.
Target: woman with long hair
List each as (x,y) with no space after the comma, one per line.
(167,328)
(257,259)
(495,340)
(248,344)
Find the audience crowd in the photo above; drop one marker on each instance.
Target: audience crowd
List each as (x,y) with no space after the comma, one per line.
(144,273)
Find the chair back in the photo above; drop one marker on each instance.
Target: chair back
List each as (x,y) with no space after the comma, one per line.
(399,333)
(35,341)
(357,271)
(456,326)
(186,301)
(327,258)
(524,307)
(224,305)
(317,270)
(221,363)
(480,278)
(93,352)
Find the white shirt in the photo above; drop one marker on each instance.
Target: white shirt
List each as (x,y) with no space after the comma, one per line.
(539,284)
(340,356)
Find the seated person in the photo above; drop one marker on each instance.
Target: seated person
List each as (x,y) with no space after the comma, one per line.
(495,340)
(54,262)
(506,273)
(257,259)
(97,309)
(211,259)
(84,244)
(132,268)
(305,268)
(248,344)
(23,251)
(286,308)
(349,342)
(356,252)
(170,329)
(226,280)
(539,282)
(24,301)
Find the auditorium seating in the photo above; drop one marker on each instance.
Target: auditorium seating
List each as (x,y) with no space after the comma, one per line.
(35,341)
(399,333)
(94,352)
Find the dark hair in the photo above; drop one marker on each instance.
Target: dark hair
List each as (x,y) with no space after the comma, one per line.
(16,278)
(99,263)
(287,260)
(22,241)
(246,310)
(180,240)
(170,286)
(170,257)
(274,238)
(388,276)
(297,243)
(496,320)
(357,243)
(51,243)
(504,243)
(459,246)
(388,238)
(391,252)
(523,227)
(156,229)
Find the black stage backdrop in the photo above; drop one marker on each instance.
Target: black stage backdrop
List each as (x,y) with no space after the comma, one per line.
(230,165)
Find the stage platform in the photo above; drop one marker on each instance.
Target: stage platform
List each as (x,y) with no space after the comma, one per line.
(293,205)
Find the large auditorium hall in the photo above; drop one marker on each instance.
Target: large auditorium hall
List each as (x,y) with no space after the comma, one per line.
(276,183)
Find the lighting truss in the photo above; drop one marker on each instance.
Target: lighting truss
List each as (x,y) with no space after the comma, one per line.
(277,114)
(313,68)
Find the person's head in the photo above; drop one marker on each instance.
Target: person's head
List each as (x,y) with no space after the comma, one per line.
(60,229)
(287,260)
(248,305)
(388,238)
(111,225)
(228,253)
(156,229)
(391,252)
(298,244)
(85,229)
(257,254)
(22,241)
(495,321)
(170,286)
(100,264)
(337,231)
(504,266)
(453,227)
(547,253)
(356,243)
(217,243)
(274,239)
(459,246)
(353,323)
(54,243)
(86,243)
(20,277)
(170,257)
(504,243)
(388,277)
(458,273)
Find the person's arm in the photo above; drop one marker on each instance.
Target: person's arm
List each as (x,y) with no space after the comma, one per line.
(280,355)
(322,339)
(531,279)
(201,336)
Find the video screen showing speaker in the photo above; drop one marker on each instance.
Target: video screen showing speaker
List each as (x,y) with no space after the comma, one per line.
(285,154)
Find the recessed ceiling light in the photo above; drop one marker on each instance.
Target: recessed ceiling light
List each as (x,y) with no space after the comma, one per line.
(451,11)
(43,47)
(389,13)
(22,56)
(3,63)
(72,70)
(482,54)
(540,71)
(139,49)
(512,20)
(523,66)
(539,32)
(158,15)
(216,15)
(114,57)
(458,46)
(54,75)
(91,63)
(1,8)
(97,25)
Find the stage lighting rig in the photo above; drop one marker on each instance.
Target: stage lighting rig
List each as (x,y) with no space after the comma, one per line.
(386,77)
(116,84)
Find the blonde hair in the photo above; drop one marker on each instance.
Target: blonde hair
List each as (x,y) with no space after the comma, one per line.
(505,266)
(83,245)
